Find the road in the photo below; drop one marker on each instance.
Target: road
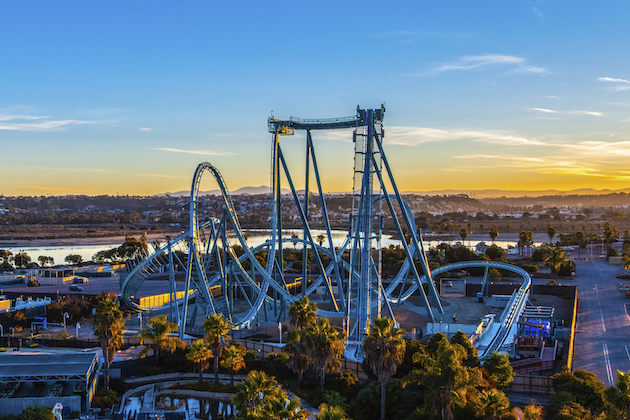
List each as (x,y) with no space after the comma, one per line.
(602,340)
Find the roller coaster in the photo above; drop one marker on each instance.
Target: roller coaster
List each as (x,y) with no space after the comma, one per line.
(218,272)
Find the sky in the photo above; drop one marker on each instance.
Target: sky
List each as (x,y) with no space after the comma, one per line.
(128,97)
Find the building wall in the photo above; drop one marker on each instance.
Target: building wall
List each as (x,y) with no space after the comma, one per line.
(16,405)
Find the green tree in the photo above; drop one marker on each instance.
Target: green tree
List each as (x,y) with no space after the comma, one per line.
(494,232)
(302,312)
(298,353)
(217,329)
(472,356)
(21,259)
(44,260)
(199,353)
(384,350)
(233,360)
(73,259)
(493,404)
(158,333)
(533,412)
(499,369)
(6,258)
(108,328)
(582,386)
(448,381)
(621,393)
(260,397)
(325,345)
(331,412)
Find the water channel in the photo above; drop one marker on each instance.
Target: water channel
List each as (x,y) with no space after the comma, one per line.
(258,236)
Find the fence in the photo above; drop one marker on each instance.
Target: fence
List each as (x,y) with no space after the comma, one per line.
(572,337)
(532,384)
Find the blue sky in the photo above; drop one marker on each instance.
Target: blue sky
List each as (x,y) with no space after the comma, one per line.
(128,97)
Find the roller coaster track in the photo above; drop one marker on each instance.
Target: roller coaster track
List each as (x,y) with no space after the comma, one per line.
(222,274)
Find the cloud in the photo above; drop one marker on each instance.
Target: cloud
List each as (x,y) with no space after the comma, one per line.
(548,111)
(19,117)
(553,111)
(49,125)
(146,129)
(613,80)
(194,152)
(472,62)
(593,113)
(552,97)
(411,136)
(157,176)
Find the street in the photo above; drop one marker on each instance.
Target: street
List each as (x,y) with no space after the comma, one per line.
(602,340)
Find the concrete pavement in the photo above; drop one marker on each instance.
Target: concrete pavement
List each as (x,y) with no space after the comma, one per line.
(602,341)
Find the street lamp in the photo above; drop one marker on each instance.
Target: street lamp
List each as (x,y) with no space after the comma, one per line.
(76,333)
(65,316)
(12,331)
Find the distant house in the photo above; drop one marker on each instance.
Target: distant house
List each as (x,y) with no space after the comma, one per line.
(51,276)
(481,247)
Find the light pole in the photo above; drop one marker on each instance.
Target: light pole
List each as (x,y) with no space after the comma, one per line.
(280,331)
(65,316)
(12,331)
(76,333)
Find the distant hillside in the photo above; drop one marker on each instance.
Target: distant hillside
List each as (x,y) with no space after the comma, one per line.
(484,194)
(245,190)
(617,199)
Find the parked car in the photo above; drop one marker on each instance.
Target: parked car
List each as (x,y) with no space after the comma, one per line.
(75,288)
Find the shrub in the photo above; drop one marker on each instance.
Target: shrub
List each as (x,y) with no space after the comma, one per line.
(538,255)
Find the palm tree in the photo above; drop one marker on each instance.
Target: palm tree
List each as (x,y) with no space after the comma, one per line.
(494,232)
(199,353)
(298,353)
(493,404)
(579,237)
(261,397)
(551,232)
(158,334)
(294,238)
(108,324)
(555,257)
(324,346)
(609,234)
(233,360)
(522,240)
(302,312)
(448,380)
(384,350)
(331,412)
(320,239)
(218,331)
(463,234)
